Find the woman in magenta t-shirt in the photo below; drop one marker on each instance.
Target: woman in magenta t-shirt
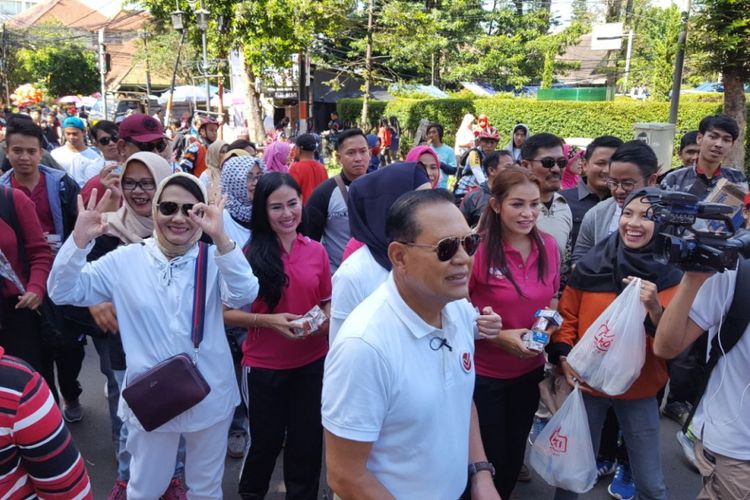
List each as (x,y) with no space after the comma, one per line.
(282,372)
(516,272)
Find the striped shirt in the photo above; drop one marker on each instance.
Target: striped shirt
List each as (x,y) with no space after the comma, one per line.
(38,458)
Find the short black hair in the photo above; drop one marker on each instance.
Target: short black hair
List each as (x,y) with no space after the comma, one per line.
(106,126)
(640,154)
(24,126)
(603,141)
(242,144)
(492,160)
(721,122)
(401,221)
(521,126)
(348,134)
(186,184)
(688,139)
(438,127)
(536,142)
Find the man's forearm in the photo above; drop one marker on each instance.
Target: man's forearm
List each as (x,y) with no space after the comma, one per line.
(672,336)
(365,486)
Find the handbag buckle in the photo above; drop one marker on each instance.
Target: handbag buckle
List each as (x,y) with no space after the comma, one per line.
(195,356)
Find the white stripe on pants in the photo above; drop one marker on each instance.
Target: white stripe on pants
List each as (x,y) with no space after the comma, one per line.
(153,455)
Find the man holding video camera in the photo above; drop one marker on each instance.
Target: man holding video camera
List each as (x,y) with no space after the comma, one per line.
(722,419)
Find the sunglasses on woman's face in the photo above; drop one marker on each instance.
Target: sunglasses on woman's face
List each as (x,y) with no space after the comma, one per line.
(106,141)
(149,147)
(170,208)
(448,247)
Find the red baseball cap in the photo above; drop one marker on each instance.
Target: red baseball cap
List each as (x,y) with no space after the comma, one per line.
(746,202)
(141,128)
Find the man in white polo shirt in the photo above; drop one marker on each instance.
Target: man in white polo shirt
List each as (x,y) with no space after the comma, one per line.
(397,392)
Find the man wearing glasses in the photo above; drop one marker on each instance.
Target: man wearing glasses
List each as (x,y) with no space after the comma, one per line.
(633,166)
(543,155)
(397,391)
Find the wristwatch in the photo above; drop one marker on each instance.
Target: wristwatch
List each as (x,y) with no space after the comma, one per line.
(480,466)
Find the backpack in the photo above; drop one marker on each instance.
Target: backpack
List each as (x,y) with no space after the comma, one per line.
(52,318)
(733,327)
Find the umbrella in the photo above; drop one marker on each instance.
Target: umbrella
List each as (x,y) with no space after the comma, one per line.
(69,99)
(185,93)
(229,99)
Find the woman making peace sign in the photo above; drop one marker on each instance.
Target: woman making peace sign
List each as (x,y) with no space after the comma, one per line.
(151,285)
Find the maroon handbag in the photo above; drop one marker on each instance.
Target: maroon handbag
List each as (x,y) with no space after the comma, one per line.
(175,385)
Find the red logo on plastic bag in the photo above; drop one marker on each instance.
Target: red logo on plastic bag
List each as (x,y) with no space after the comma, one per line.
(466,361)
(558,442)
(604,338)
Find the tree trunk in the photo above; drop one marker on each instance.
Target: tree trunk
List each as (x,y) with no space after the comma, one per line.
(254,108)
(735,106)
(363,121)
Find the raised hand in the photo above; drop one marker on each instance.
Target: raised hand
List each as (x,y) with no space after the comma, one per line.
(210,218)
(90,223)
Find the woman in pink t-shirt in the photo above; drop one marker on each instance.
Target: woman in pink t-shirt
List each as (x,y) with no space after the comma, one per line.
(516,272)
(282,371)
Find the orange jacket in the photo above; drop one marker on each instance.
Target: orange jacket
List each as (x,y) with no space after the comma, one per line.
(579,310)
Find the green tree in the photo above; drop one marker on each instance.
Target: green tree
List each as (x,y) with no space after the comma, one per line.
(267,32)
(721,28)
(62,69)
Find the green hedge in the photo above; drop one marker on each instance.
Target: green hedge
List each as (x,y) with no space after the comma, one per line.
(563,118)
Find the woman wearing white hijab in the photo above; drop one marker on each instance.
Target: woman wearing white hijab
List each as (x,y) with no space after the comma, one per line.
(151,286)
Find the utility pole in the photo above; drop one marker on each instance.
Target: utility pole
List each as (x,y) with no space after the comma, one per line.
(679,61)
(103,72)
(4,67)
(148,74)
(628,54)
(202,14)
(368,64)
(168,114)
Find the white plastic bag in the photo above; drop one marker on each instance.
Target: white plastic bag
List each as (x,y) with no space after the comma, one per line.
(562,453)
(611,353)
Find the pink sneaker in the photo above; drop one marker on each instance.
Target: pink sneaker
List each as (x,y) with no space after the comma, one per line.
(119,491)
(175,491)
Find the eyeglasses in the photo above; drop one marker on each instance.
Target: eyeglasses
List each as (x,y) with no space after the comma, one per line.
(150,147)
(626,185)
(170,208)
(549,162)
(106,141)
(254,178)
(447,247)
(145,185)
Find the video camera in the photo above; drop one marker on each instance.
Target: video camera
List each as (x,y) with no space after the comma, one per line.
(715,249)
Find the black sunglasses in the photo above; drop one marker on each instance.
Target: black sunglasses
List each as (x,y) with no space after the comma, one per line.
(106,141)
(549,162)
(149,147)
(170,208)
(447,247)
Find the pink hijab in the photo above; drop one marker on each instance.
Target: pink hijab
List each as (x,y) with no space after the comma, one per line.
(276,157)
(414,154)
(569,178)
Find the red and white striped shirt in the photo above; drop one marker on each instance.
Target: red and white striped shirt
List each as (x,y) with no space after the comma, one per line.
(37,455)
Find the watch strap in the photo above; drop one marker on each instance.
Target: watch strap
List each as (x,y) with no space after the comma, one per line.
(480,466)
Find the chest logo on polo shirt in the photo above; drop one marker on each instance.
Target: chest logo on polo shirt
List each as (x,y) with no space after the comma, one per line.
(466,361)
(496,273)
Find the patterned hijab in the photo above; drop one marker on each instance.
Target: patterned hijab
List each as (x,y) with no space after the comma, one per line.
(234,175)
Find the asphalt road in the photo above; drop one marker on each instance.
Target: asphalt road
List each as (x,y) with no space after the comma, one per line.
(92,437)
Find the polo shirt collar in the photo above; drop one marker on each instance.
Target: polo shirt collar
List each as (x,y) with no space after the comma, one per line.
(416,325)
(699,171)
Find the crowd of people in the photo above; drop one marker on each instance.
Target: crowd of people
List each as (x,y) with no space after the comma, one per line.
(427,272)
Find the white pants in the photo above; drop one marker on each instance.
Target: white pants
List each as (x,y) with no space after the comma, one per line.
(152,462)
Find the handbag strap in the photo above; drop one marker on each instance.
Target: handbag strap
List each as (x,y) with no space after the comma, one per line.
(199,295)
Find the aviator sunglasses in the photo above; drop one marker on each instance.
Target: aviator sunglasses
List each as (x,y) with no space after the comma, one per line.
(447,247)
(106,141)
(150,147)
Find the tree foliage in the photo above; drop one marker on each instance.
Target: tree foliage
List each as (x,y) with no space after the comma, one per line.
(63,69)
